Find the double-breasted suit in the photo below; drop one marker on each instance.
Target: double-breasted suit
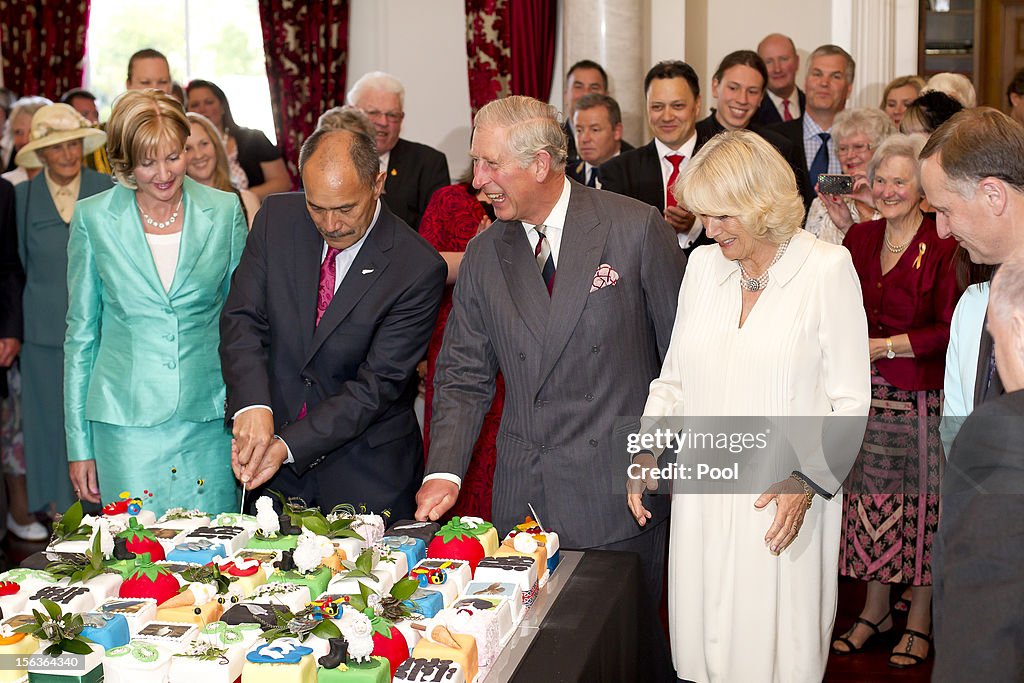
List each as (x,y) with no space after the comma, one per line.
(355,371)
(573,363)
(142,384)
(43,250)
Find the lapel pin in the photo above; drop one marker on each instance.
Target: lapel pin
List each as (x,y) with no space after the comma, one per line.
(367,271)
(394,171)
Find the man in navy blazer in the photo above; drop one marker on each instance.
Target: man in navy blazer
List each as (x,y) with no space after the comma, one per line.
(414,171)
(782,95)
(331,397)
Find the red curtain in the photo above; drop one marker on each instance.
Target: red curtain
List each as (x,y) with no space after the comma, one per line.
(43,45)
(510,47)
(533,27)
(306,45)
(487,50)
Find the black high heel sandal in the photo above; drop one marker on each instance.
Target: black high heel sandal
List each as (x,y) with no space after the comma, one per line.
(845,638)
(916,659)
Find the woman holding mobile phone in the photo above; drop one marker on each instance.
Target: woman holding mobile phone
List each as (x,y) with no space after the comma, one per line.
(857,133)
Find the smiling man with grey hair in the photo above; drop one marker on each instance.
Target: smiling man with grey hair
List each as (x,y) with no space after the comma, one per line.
(414,171)
(544,296)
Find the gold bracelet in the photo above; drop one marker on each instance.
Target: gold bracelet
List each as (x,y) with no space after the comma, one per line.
(808,491)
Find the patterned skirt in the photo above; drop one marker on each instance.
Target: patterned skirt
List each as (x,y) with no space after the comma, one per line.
(891,502)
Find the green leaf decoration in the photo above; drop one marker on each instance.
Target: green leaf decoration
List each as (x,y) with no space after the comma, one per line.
(364,562)
(52,608)
(404,589)
(78,647)
(317,524)
(380,625)
(326,629)
(72,519)
(26,628)
(136,531)
(210,574)
(455,530)
(144,567)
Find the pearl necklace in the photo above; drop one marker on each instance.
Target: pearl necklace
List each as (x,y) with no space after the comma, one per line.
(896,248)
(160,225)
(752,284)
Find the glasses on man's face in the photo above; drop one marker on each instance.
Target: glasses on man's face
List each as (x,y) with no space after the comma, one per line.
(853,149)
(391,116)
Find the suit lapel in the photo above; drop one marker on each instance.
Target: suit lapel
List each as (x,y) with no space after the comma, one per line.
(195,233)
(523,279)
(579,255)
(131,238)
(306,257)
(369,265)
(652,190)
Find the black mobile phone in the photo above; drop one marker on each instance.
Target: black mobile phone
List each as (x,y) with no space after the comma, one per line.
(835,183)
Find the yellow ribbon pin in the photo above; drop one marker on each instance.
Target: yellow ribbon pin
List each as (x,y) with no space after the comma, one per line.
(921,248)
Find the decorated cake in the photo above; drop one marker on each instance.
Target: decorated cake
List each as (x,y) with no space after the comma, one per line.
(106,630)
(137,662)
(175,636)
(519,570)
(326,598)
(425,531)
(137,611)
(207,663)
(456,541)
(285,660)
(418,670)
(463,652)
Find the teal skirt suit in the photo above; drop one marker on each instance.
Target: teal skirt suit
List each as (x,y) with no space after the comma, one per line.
(143,393)
(43,248)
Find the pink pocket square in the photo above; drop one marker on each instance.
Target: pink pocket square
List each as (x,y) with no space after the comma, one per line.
(604,276)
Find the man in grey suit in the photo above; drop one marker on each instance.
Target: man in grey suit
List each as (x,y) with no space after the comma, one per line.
(571,295)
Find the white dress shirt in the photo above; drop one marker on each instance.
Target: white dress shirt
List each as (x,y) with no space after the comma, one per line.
(794,104)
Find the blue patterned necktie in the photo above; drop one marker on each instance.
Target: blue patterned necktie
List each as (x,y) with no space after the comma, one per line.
(820,163)
(545,261)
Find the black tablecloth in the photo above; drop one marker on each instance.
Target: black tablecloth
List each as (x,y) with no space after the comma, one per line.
(601,628)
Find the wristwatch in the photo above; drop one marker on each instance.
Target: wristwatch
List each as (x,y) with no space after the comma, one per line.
(890,354)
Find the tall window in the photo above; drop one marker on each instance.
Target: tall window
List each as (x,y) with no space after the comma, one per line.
(219,41)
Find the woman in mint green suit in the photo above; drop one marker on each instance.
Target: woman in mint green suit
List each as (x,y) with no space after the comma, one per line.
(150,263)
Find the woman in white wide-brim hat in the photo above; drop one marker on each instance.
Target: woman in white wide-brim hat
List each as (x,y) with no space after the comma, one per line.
(58,139)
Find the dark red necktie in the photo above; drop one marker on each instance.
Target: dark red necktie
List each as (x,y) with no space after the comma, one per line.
(675,160)
(325,292)
(787,115)
(328,275)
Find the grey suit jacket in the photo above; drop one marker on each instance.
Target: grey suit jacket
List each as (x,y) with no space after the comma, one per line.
(573,363)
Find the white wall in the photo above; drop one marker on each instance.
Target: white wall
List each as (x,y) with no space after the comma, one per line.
(423,44)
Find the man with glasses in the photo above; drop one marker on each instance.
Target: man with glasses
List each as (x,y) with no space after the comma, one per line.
(414,171)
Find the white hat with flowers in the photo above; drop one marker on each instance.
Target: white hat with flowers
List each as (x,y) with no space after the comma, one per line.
(54,124)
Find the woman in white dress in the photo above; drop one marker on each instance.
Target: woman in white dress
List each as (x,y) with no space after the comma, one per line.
(770,323)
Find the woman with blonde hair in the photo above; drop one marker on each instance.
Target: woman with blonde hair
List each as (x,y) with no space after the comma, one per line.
(150,263)
(769,323)
(207,163)
(898,95)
